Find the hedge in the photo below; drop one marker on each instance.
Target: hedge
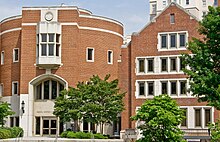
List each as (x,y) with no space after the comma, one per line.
(13,132)
(81,135)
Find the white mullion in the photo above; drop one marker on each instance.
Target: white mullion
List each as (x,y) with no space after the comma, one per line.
(168,65)
(168,41)
(178,87)
(58,88)
(178,40)
(50,89)
(146,88)
(168,88)
(145,65)
(42,90)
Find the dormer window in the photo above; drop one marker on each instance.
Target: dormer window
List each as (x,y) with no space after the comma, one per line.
(172,18)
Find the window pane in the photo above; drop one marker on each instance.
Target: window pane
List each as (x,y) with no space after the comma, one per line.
(46,89)
(2,57)
(207,116)
(173,64)
(54,89)
(11,121)
(172,18)
(90,54)
(37,132)
(150,88)
(57,38)
(163,41)
(173,88)
(85,126)
(39,91)
(53,124)
(141,65)
(109,56)
(61,87)
(184,120)
(198,117)
(45,123)
(182,40)
(15,54)
(187,2)
(164,64)
(150,65)
(15,87)
(51,49)
(183,87)
(57,50)
(164,88)
(43,50)
(17,121)
(173,40)
(53,131)
(43,37)
(51,37)
(141,89)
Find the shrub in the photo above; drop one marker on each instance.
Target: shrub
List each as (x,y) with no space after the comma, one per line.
(99,136)
(83,135)
(64,134)
(13,132)
(5,133)
(70,134)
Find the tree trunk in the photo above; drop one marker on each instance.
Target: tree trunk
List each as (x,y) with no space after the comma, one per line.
(76,126)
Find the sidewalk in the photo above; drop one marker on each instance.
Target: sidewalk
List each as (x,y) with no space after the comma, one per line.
(49,139)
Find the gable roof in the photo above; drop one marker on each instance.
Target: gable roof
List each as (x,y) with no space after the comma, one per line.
(171,4)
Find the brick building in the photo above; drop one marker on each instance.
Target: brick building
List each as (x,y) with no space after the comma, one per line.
(151,65)
(47,49)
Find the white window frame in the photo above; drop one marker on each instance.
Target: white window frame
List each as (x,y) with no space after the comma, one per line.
(15,61)
(157,65)
(172,18)
(169,48)
(93,54)
(15,82)
(202,115)
(2,57)
(111,57)
(204,2)
(187,115)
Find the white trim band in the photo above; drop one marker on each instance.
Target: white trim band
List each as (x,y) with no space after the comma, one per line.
(11,30)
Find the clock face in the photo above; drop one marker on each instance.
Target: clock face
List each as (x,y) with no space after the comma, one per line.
(49,16)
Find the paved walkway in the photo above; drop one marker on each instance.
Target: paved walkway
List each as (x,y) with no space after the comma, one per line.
(49,139)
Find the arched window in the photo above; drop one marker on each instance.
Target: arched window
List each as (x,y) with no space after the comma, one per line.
(48,90)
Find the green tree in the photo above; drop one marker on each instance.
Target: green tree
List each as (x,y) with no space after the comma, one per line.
(215,131)
(5,111)
(204,62)
(68,105)
(161,117)
(97,101)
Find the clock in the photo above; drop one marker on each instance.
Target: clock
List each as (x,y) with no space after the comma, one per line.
(49,16)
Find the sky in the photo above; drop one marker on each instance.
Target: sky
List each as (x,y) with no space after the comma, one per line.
(134,14)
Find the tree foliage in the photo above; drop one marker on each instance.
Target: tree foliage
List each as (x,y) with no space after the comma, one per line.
(161,117)
(97,101)
(5,111)
(204,63)
(215,131)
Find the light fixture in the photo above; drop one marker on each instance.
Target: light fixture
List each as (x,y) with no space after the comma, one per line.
(22,106)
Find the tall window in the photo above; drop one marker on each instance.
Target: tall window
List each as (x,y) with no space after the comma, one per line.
(150,65)
(164,3)
(204,2)
(90,55)
(141,88)
(154,8)
(172,18)
(207,117)
(164,41)
(2,57)
(49,44)
(150,88)
(164,89)
(173,41)
(48,89)
(164,64)
(184,121)
(182,40)
(182,87)
(215,2)
(15,55)
(110,57)
(198,122)
(173,88)
(173,64)
(14,88)
(187,2)
(141,63)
